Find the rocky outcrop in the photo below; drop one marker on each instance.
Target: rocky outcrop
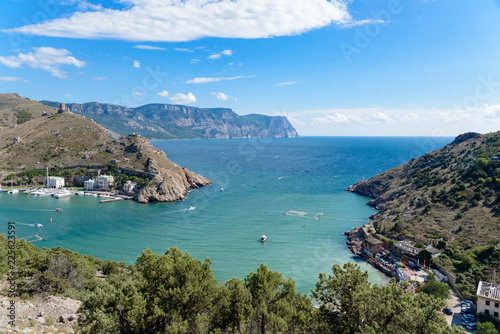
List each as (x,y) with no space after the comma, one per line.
(166,121)
(170,187)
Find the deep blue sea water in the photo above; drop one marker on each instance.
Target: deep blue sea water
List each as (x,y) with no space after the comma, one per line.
(262,179)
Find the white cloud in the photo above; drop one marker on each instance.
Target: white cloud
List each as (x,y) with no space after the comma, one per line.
(137,93)
(380,117)
(194,61)
(183,98)
(175,20)
(289,83)
(46,58)
(217,55)
(215,79)
(295,121)
(214,56)
(82,5)
(336,118)
(183,50)
(99,78)
(223,97)
(148,47)
(13,79)
(137,64)
(163,93)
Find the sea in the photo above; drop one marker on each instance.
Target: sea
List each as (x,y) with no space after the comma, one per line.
(291,190)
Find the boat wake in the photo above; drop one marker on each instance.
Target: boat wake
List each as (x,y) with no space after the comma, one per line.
(301,214)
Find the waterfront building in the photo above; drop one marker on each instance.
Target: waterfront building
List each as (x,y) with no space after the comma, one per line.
(373,245)
(89,185)
(129,186)
(105,181)
(488,300)
(55,182)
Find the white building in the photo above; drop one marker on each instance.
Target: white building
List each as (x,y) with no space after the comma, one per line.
(89,185)
(408,247)
(105,181)
(129,186)
(488,300)
(55,182)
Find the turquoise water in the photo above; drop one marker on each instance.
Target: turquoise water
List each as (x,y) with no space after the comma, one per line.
(262,179)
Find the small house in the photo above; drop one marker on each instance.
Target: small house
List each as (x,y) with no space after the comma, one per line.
(373,245)
(488,300)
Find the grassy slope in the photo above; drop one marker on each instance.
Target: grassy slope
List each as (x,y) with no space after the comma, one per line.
(11,104)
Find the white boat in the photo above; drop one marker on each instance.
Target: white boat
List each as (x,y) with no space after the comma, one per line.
(38,225)
(80,193)
(59,210)
(191,208)
(263,238)
(221,189)
(13,191)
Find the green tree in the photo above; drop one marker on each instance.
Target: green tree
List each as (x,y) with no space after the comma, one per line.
(277,308)
(350,304)
(486,328)
(434,288)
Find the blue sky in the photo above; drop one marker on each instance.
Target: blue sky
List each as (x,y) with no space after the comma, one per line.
(394,67)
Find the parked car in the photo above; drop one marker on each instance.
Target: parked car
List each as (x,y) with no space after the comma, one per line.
(447,311)
(471,326)
(466,311)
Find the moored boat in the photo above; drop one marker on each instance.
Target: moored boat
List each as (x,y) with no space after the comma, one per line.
(263,238)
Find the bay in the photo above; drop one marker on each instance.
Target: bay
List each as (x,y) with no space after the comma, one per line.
(261,180)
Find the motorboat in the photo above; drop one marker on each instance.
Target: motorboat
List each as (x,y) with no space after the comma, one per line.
(263,238)
(38,225)
(191,208)
(221,189)
(13,191)
(59,210)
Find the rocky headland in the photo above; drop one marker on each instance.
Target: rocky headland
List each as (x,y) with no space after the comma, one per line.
(70,143)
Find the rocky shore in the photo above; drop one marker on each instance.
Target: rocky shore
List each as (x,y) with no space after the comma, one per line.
(355,238)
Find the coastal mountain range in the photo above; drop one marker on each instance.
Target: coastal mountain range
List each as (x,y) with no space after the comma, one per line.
(42,138)
(167,121)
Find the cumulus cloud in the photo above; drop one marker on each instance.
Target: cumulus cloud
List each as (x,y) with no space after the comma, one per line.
(215,79)
(227,52)
(137,64)
(175,21)
(148,47)
(13,79)
(163,93)
(223,97)
(288,83)
(47,58)
(183,98)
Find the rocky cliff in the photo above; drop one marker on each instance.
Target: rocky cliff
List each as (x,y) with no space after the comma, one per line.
(70,140)
(166,121)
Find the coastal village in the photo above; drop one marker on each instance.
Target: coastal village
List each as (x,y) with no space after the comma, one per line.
(399,260)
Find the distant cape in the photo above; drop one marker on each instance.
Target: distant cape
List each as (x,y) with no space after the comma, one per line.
(167,121)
